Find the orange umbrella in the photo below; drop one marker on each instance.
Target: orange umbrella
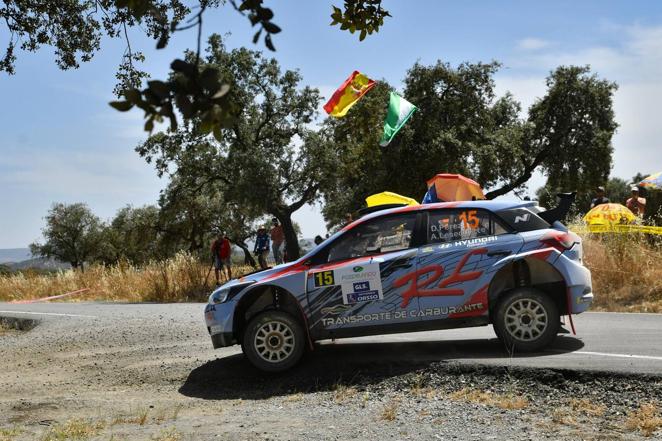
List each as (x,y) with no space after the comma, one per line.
(452,187)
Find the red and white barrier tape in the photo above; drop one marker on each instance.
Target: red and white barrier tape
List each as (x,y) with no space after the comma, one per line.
(46,299)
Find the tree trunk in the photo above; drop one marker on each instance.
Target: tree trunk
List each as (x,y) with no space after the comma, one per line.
(291,240)
(248,257)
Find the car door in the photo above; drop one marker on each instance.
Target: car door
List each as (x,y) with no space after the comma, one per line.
(462,254)
(352,291)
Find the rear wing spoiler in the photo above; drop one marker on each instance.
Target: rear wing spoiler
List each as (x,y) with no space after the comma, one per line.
(559,212)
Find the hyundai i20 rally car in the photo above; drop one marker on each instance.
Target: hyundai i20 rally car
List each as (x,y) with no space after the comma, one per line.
(426,267)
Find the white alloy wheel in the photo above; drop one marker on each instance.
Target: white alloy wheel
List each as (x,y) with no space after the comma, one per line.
(274,341)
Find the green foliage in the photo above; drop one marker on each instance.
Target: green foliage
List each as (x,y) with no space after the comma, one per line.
(75,29)
(365,16)
(462,127)
(573,125)
(73,234)
(269,161)
(132,235)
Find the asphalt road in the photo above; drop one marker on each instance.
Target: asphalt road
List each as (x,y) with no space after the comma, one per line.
(611,342)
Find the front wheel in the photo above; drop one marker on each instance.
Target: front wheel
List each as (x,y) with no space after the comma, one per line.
(526,320)
(274,341)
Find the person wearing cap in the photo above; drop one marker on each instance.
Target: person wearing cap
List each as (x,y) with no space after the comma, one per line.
(600,197)
(277,239)
(636,204)
(261,249)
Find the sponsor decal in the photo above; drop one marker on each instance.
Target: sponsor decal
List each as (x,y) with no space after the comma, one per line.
(523,218)
(216,329)
(428,282)
(359,283)
(336,309)
(364,285)
(324,278)
(442,311)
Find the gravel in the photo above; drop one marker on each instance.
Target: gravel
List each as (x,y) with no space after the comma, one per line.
(113,374)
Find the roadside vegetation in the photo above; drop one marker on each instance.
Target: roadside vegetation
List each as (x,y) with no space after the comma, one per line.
(626,270)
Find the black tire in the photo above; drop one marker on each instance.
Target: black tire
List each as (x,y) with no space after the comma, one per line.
(526,320)
(273,341)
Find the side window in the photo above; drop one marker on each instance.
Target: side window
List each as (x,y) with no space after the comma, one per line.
(382,235)
(450,225)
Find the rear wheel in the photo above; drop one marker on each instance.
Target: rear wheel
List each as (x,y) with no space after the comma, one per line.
(526,320)
(274,341)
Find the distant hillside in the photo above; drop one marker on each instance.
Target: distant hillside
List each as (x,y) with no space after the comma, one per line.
(41,263)
(14,254)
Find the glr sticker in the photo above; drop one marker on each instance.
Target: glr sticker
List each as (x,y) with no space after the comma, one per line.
(361,283)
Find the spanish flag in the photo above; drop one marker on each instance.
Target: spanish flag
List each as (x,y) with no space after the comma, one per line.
(348,94)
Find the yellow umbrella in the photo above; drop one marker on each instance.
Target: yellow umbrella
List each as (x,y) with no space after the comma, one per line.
(387,197)
(608,214)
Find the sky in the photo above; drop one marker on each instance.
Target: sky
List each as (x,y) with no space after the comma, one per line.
(61,142)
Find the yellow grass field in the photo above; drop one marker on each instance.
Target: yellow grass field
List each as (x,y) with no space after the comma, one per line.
(626,269)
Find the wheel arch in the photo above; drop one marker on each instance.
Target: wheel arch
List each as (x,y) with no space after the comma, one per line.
(529,271)
(262,298)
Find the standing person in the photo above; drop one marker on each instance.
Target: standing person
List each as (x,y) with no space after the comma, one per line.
(261,249)
(636,204)
(600,197)
(221,252)
(277,239)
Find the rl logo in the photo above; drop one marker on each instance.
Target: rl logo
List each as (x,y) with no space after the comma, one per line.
(419,288)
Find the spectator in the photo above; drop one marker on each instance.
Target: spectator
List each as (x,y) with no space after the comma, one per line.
(261,249)
(636,204)
(221,253)
(600,197)
(277,238)
(318,240)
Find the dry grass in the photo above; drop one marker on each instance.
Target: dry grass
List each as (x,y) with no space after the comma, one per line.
(294,398)
(9,434)
(587,407)
(502,401)
(180,278)
(390,411)
(343,393)
(647,419)
(170,434)
(75,429)
(626,271)
(4,329)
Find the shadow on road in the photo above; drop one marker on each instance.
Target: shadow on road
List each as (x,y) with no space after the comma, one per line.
(348,363)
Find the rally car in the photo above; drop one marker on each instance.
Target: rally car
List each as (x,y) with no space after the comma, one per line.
(415,268)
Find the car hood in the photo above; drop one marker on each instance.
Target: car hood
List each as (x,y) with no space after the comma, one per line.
(259,276)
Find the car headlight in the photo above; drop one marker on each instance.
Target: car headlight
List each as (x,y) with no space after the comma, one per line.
(223,294)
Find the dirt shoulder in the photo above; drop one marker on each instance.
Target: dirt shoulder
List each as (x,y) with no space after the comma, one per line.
(158,378)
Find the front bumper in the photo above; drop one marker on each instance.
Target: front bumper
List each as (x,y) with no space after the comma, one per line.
(578,282)
(218,319)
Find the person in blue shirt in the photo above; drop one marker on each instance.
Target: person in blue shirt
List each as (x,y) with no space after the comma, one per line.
(261,249)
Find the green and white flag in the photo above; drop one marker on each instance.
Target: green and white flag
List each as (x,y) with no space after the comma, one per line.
(399,111)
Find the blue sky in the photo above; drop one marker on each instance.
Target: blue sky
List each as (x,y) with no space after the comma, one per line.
(60,142)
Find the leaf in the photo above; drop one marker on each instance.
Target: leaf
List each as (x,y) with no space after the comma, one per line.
(363,34)
(159,88)
(184,105)
(149,124)
(270,45)
(209,78)
(248,4)
(256,37)
(225,88)
(182,66)
(271,28)
(122,106)
(132,95)
(163,41)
